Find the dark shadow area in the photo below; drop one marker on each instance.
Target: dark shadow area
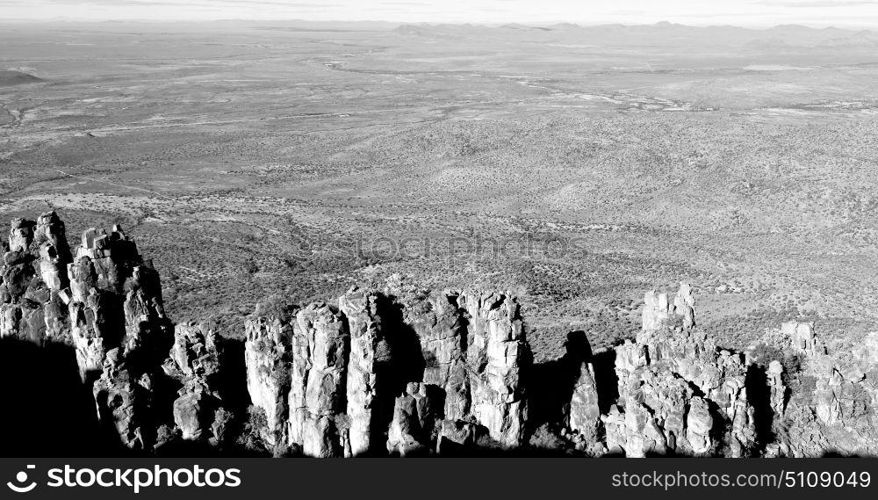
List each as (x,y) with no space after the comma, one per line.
(232,384)
(525,452)
(550,385)
(46,409)
(406,358)
(110,321)
(759,395)
(233,377)
(606,381)
(398,361)
(154,339)
(196,449)
(840,454)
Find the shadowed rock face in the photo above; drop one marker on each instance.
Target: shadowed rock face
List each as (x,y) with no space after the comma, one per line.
(123,397)
(367,370)
(33,277)
(415,372)
(104,299)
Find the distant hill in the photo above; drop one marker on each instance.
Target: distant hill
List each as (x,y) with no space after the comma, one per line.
(9,78)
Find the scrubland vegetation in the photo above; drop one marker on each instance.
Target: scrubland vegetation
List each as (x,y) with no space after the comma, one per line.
(251,161)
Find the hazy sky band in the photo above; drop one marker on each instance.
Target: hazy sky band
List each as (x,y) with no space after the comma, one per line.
(696,12)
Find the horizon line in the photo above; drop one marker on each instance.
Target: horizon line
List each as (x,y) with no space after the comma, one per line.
(750,26)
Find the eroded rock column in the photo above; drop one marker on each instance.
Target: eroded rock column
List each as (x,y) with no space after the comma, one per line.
(496,353)
(267,357)
(585,413)
(115,301)
(369,357)
(321,345)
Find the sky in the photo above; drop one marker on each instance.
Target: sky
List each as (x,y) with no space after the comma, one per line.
(819,13)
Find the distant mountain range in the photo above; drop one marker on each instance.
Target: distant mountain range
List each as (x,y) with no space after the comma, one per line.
(664,33)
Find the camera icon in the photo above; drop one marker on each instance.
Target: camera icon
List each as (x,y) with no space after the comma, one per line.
(21,478)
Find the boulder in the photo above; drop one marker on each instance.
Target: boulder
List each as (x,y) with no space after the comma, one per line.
(456,436)
(413,425)
(699,425)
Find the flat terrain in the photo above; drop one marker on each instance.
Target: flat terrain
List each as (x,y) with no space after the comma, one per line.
(577,167)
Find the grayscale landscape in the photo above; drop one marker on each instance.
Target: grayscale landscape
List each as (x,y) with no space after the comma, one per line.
(573,167)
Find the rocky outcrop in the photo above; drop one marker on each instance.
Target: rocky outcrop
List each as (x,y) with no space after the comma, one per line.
(195,362)
(383,374)
(684,305)
(841,396)
(151,403)
(124,396)
(105,301)
(658,310)
(660,415)
(699,425)
(440,400)
(90,321)
(832,400)
(679,393)
(802,339)
(411,372)
(677,388)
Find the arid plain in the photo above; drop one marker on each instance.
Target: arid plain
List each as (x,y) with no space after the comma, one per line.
(575,166)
